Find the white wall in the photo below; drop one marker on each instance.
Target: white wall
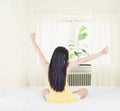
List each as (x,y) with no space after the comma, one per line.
(72,5)
(12,44)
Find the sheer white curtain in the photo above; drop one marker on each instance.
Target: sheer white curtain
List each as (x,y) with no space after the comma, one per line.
(106,32)
(46,25)
(45,28)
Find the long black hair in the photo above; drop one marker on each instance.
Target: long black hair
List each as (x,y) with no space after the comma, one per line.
(57,69)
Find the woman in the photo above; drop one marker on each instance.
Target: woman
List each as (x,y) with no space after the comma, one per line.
(57,71)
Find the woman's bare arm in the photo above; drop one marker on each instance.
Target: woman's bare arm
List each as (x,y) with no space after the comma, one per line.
(37,49)
(88,58)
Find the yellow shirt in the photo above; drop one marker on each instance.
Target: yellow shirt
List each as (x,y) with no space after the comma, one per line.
(61,97)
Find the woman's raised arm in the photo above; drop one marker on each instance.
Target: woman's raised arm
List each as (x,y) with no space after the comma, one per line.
(37,49)
(88,58)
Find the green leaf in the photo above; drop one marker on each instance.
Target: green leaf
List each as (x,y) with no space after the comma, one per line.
(82,28)
(71,56)
(82,36)
(85,51)
(76,53)
(71,45)
(72,42)
(85,34)
(71,48)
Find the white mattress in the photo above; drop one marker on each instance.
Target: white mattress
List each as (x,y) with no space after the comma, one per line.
(30,99)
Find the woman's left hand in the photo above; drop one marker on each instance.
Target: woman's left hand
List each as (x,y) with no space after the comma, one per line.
(105,50)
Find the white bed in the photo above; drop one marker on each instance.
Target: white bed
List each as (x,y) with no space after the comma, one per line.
(30,99)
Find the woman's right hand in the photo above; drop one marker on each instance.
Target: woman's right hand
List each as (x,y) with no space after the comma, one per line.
(33,36)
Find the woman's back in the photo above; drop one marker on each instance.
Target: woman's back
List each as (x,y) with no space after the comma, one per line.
(61,97)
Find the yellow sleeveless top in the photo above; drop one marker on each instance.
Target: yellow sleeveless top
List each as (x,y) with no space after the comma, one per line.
(61,97)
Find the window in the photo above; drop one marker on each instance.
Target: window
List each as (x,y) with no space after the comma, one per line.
(68,29)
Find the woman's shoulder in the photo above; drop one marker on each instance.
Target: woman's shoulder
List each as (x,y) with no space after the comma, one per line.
(68,68)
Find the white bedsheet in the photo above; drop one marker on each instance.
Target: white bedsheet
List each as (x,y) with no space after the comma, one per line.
(30,99)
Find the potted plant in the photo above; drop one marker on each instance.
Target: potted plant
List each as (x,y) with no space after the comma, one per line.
(76,48)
